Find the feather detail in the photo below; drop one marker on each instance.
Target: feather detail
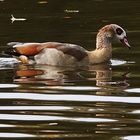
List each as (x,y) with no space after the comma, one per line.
(28,49)
(62,54)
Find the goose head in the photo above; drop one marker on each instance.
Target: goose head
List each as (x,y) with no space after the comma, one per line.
(109,34)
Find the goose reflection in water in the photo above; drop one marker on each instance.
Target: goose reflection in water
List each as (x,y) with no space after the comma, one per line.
(101,74)
(94,113)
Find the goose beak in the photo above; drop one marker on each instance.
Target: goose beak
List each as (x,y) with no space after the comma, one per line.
(125,42)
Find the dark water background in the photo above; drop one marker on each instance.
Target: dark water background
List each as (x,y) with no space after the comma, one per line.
(95,102)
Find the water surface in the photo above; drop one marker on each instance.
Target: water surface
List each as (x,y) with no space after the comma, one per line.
(46,102)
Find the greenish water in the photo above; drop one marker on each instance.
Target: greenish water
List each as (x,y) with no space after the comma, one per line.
(95,102)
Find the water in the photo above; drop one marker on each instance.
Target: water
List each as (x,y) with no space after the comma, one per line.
(46,102)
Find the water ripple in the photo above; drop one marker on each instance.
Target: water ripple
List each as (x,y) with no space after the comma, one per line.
(116,62)
(8,86)
(131,138)
(51,118)
(77,88)
(135,90)
(64,97)
(6,125)
(35,108)
(15,135)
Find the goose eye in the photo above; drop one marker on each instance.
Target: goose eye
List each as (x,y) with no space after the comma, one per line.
(119,31)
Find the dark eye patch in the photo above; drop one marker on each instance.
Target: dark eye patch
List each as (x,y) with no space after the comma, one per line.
(119,31)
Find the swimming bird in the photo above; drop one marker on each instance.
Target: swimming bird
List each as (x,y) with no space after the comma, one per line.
(65,54)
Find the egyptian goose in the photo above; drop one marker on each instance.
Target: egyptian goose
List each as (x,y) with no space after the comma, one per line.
(64,54)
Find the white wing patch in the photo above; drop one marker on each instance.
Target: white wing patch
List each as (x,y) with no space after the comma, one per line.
(55,57)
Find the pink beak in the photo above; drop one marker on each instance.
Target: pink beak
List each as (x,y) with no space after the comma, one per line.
(125,42)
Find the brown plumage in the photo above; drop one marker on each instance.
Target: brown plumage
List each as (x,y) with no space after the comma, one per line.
(54,53)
